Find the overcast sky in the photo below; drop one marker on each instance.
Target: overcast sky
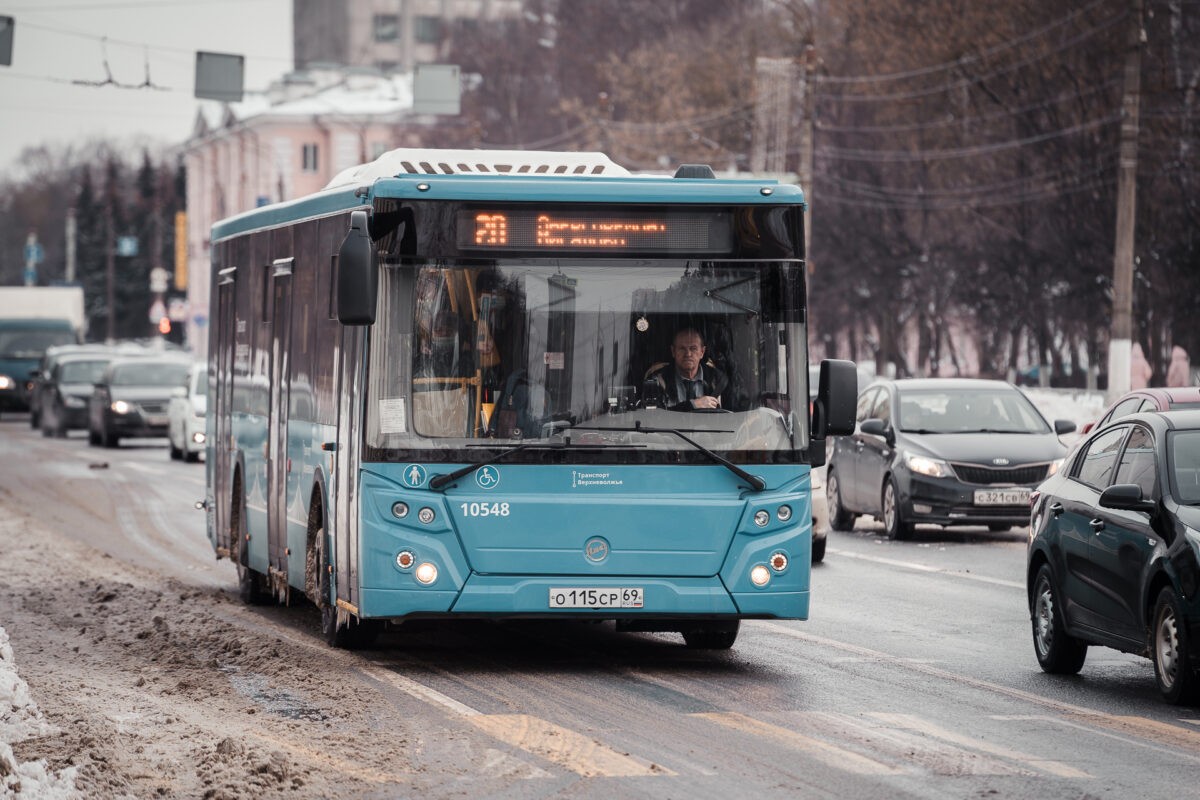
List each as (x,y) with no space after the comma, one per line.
(58,42)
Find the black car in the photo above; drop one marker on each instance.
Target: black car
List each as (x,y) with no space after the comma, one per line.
(131,398)
(1114,551)
(949,451)
(65,390)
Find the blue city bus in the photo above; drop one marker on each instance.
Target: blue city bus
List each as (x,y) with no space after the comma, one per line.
(434,394)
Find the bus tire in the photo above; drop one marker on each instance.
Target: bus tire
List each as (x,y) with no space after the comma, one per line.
(354,633)
(250,583)
(711,635)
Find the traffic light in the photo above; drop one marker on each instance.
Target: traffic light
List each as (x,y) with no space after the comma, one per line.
(164,325)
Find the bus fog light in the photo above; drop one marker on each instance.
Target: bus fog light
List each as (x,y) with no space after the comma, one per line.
(426,573)
(761,518)
(778,562)
(404,559)
(760,575)
(399,510)
(425,515)
(784,513)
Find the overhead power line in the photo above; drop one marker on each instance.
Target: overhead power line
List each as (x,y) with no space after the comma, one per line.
(961,83)
(892,156)
(958,63)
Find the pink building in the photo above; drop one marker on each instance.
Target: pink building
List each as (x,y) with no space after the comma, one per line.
(287,143)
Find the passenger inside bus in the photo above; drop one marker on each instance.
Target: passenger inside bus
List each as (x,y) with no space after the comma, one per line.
(690,381)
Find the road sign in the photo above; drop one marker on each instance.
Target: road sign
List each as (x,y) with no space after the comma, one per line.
(127,246)
(157,311)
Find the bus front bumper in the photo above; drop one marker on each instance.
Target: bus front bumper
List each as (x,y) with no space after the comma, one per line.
(512,596)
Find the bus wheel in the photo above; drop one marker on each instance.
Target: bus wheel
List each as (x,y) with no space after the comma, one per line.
(353,633)
(711,635)
(250,583)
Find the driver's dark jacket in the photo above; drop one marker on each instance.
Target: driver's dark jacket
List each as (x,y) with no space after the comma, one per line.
(714,381)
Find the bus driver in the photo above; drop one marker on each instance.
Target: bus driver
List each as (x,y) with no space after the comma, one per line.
(689,382)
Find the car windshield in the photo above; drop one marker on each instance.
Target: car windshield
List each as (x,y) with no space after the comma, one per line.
(982,410)
(149,373)
(31,343)
(82,371)
(1184,453)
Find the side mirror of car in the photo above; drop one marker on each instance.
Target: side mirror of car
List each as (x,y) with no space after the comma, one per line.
(1127,497)
(877,427)
(1063,426)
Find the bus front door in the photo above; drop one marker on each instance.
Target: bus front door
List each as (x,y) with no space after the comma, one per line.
(220,450)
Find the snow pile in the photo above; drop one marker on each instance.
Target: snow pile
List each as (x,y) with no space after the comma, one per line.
(21,719)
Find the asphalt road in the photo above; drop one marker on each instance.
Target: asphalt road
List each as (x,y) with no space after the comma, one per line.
(914,677)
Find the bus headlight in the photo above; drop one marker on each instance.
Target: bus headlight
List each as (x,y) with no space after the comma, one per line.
(426,573)
(760,575)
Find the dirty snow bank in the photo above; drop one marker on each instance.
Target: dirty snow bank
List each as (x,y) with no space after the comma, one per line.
(21,719)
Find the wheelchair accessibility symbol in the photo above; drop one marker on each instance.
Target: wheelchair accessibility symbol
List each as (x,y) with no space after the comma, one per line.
(487,477)
(414,475)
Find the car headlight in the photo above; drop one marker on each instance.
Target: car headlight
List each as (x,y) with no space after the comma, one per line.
(924,465)
(1054,466)
(121,407)
(7,383)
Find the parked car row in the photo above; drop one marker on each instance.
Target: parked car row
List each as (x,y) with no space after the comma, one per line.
(122,391)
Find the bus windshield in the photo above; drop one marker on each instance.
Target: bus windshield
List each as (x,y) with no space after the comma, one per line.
(467,356)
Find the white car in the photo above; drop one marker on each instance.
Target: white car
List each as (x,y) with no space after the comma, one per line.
(820,515)
(185,415)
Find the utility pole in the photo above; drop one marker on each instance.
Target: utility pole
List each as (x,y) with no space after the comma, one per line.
(110,261)
(69,275)
(1120,339)
(774,78)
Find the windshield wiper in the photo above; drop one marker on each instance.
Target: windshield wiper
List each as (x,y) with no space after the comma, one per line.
(993,430)
(919,430)
(438,481)
(756,483)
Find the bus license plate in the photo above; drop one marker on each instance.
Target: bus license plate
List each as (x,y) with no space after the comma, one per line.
(1001,497)
(607,597)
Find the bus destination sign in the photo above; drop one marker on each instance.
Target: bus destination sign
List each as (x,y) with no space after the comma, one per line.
(595,231)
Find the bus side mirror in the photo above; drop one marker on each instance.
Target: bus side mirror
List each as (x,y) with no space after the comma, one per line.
(837,396)
(358,275)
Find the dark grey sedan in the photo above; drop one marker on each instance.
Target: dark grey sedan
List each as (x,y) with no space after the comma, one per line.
(949,451)
(130,399)
(1114,551)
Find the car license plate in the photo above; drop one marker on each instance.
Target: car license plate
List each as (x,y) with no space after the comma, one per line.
(1001,497)
(607,597)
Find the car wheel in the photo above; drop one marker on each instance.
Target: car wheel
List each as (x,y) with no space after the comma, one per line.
(1177,680)
(711,635)
(93,437)
(839,518)
(176,453)
(818,550)
(1057,651)
(191,456)
(894,524)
